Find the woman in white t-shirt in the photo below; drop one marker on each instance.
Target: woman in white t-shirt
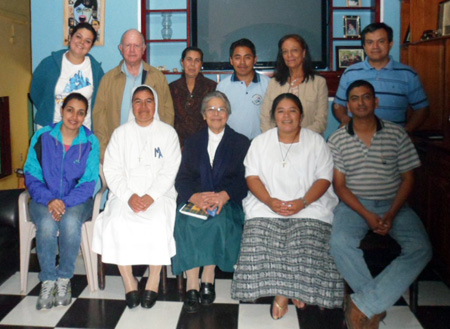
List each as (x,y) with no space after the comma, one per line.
(289,211)
(66,71)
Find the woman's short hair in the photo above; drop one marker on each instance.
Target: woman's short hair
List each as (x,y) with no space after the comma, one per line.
(86,26)
(281,74)
(281,97)
(142,88)
(215,94)
(78,97)
(188,49)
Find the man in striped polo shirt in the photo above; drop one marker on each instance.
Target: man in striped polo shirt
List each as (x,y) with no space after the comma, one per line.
(397,85)
(374,161)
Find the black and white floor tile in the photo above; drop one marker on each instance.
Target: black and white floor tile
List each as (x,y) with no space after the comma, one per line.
(107,309)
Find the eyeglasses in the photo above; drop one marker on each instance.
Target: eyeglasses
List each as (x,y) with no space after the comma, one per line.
(214,109)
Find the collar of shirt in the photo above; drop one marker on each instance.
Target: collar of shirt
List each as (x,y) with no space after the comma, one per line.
(256,79)
(389,66)
(128,74)
(351,131)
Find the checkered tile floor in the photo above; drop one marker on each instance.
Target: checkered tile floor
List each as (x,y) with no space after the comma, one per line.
(107,309)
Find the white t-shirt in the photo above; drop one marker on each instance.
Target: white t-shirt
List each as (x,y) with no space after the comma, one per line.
(288,173)
(74,78)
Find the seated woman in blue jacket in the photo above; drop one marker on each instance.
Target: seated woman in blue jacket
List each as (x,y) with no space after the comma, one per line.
(61,172)
(211,176)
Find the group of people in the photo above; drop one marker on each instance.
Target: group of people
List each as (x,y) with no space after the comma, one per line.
(253,158)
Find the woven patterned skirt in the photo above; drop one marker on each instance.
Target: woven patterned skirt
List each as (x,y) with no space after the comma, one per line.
(288,257)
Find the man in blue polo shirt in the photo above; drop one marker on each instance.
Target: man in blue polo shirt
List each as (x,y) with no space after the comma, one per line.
(397,86)
(245,89)
(374,162)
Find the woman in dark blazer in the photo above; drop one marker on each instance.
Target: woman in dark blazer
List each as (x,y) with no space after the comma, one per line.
(212,177)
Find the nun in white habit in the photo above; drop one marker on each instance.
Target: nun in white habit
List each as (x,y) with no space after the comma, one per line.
(136,228)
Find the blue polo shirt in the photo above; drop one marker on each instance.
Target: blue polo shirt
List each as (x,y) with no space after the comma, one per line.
(397,87)
(245,103)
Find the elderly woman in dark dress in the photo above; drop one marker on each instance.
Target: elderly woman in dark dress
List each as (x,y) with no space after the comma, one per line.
(211,176)
(188,92)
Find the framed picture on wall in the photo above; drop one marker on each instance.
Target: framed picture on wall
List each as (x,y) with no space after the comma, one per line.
(354,3)
(348,55)
(90,11)
(352,27)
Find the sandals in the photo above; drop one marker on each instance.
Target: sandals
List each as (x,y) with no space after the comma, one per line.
(275,304)
(298,302)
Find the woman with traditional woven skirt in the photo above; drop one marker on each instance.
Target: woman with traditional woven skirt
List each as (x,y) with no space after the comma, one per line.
(289,211)
(212,177)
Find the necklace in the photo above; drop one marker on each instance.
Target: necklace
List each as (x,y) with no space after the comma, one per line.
(294,81)
(143,135)
(142,151)
(283,158)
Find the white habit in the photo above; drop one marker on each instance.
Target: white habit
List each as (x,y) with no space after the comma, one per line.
(141,160)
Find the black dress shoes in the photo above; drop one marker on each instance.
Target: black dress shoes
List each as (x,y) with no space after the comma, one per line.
(148,298)
(191,304)
(207,293)
(132,298)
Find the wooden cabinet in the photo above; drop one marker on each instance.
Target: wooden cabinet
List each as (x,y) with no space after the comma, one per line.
(431,59)
(431,200)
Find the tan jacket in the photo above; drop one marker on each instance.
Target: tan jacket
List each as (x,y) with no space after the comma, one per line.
(314,98)
(106,114)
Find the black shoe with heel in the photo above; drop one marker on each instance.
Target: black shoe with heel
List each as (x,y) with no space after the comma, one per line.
(191,304)
(207,293)
(132,298)
(148,298)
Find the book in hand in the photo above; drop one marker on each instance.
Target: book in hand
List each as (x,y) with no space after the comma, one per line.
(191,209)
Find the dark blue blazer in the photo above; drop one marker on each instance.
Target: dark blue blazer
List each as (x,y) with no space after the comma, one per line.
(227,173)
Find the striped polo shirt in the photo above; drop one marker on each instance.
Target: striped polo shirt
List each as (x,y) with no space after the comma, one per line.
(397,87)
(373,172)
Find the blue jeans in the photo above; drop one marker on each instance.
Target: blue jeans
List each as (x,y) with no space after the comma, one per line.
(375,295)
(69,228)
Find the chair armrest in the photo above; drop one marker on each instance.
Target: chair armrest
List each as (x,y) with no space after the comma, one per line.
(24,212)
(98,202)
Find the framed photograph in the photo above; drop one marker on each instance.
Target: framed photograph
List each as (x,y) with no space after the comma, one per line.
(444,17)
(91,11)
(352,27)
(354,3)
(348,55)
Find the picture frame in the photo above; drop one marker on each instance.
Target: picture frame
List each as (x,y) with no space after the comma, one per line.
(91,11)
(352,26)
(354,3)
(348,55)
(444,17)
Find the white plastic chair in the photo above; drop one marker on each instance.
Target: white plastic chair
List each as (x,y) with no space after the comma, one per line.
(27,232)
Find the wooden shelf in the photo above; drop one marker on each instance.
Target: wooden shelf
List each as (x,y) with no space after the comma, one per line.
(164,40)
(154,11)
(355,8)
(375,17)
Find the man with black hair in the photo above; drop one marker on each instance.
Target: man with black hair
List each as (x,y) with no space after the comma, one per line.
(374,162)
(397,86)
(245,89)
